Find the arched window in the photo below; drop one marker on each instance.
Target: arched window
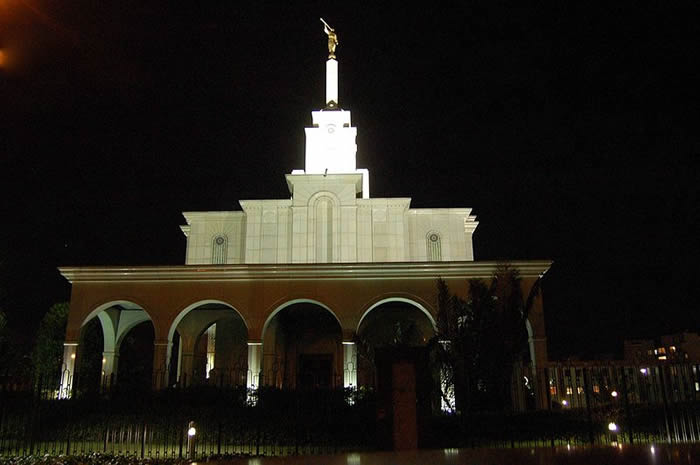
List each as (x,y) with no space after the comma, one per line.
(324,230)
(219,246)
(434,252)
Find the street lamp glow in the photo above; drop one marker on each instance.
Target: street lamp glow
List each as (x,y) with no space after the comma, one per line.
(564,402)
(614,393)
(192,431)
(612,426)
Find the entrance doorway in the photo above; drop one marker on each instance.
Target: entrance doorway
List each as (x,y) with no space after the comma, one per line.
(315,371)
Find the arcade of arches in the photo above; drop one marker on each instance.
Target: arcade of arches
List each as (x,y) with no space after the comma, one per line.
(290,326)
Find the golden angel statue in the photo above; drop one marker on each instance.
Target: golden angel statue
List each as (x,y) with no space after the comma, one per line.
(332,39)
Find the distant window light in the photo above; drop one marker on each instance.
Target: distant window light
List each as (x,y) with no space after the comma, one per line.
(596,388)
(697,386)
(662,350)
(569,390)
(672,349)
(434,247)
(553,390)
(579,390)
(662,357)
(219,247)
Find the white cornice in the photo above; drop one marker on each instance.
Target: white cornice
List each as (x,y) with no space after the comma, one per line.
(315,271)
(191,216)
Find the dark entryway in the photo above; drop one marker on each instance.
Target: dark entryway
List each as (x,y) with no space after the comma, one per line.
(315,371)
(406,392)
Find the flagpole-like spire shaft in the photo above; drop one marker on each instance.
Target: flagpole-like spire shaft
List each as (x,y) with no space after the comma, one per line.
(331,83)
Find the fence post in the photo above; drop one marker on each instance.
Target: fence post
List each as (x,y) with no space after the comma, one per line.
(181,441)
(36,405)
(628,412)
(143,439)
(587,382)
(218,440)
(665,399)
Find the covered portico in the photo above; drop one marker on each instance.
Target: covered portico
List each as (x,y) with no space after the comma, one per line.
(244,300)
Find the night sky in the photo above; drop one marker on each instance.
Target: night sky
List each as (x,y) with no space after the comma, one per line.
(567,129)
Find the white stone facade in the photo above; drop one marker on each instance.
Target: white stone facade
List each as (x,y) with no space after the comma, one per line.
(324,222)
(330,217)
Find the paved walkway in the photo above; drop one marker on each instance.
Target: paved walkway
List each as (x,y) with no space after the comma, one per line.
(625,455)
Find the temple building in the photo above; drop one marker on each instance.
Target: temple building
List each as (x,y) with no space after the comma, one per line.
(276,292)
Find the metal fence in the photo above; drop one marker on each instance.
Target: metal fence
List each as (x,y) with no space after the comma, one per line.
(647,404)
(158,424)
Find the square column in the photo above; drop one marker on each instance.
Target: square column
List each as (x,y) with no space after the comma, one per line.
(161,351)
(254,365)
(70,349)
(349,365)
(255,355)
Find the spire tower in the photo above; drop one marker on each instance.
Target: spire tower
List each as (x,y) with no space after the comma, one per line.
(330,141)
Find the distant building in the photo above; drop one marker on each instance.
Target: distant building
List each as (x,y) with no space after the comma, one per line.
(683,346)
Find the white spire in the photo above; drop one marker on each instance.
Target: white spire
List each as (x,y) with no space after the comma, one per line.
(331,84)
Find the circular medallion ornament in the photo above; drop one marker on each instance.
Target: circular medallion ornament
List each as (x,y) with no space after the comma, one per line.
(433,237)
(219,240)
(330,128)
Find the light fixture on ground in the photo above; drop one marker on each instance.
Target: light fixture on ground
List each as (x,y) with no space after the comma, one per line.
(191,436)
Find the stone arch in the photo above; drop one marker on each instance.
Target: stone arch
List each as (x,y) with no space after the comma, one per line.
(388,324)
(126,303)
(113,330)
(288,303)
(191,356)
(302,345)
(411,300)
(188,308)
(115,325)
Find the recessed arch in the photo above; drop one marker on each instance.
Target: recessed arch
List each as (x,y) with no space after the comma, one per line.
(113,331)
(182,313)
(302,345)
(126,304)
(187,356)
(132,322)
(330,244)
(288,303)
(116,319)
(414,302)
